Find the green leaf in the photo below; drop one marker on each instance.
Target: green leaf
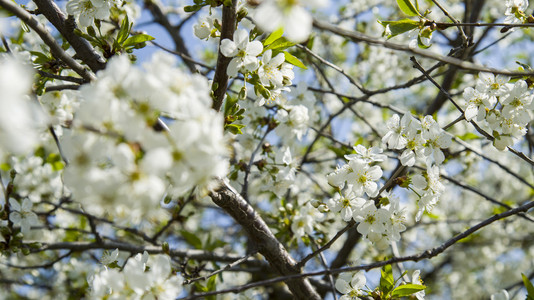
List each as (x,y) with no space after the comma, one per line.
(279,44)
(525,66)
(211,283)
(192,8)
(294,61)
(57,166)
(310,42)
(407,289)
(124,30)
(275,35)
(386,279)
(400,26)
(421,44)
(91,31)
(192,239)
(469,136)
(234,128)
(137,39)
(528,286)
(229,103)
(408,8)
(41,58)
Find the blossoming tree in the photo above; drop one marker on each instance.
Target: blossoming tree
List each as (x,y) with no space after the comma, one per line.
(277,149)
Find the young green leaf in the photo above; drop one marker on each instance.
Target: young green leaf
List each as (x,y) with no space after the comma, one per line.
(421,44)
(124,31)
(469,136)
(408,8)
(191,239)
(399,27)
(137,39)
(279,44)
(234,128)
(525,66)
(407,289)
(386,279)
(275,35)
(529,287)
(294,61)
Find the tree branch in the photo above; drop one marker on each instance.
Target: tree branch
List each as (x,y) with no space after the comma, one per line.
(48,39)
(264,240)
(174,32)
(84,50)
(220,79)
(416,257)
(108,245)
(360,37)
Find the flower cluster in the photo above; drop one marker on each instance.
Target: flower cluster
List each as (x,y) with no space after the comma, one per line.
(293,121)
(36,179)
(116,152)
(420,140)
(143,277)
(270,76)
(380,225)
(20,119)
(515,11)
(503,106)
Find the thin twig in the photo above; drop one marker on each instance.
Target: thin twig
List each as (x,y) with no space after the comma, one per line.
(64,78)
(453,19)
(303,261)
(43,266)
(226,268)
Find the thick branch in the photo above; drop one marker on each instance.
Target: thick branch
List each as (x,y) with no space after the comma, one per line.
(48,39)
(220,79)
(84,50)
(264,240)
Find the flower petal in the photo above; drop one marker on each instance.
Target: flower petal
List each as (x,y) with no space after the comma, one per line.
(228,48)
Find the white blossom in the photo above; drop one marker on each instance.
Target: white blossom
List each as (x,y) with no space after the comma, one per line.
(371,219)
(296,21)
(477,103)
(204,27)
(20,120)
(22,215)
(269,72)
(515,10)
(345,205)
(368,155)
(244,53)
(88,10)
(350,285)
